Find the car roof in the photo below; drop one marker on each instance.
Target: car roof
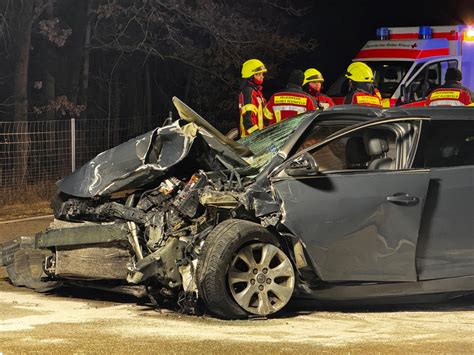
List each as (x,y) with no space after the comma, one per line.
(435,113)
(365,113)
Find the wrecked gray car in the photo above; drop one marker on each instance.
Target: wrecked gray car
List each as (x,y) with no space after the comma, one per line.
(348,204)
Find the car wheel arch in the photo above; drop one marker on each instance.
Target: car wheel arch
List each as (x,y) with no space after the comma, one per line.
(213,287)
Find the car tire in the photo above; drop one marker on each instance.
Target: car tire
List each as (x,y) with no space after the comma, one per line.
(232,288)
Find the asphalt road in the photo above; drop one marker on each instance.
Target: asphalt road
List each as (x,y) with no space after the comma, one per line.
(83,321)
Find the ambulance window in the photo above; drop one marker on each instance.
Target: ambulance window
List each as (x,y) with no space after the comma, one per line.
(388,75)
(428,79)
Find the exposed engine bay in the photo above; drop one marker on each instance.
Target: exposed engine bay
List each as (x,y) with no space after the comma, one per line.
(134,218)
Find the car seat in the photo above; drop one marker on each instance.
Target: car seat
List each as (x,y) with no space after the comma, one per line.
(377,148)
(356,155)
(389,82)
(432,80)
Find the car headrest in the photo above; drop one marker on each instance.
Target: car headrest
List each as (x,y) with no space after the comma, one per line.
(390,74)
(355,151)
(432,74)
(375,146)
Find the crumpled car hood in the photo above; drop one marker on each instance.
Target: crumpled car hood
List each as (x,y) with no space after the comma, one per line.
(140,161)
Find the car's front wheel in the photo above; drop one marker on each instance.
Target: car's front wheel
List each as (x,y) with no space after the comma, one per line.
(243,271)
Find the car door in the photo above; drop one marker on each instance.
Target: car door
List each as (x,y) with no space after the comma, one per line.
(359,215)
(446,237)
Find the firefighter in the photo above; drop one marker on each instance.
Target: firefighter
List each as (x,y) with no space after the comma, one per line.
(361,83)
(290,102)
(313,81)
(452,92)
(251,100)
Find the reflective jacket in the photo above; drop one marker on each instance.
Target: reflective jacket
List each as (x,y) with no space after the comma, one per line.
(251,103)
(288,103)
(452,93)
(363,95)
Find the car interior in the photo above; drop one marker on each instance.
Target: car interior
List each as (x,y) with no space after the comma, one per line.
(381,147)
(389,82)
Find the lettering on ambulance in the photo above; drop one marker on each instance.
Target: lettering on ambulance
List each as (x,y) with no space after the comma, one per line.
(290,100)
(367,100)
(445,95)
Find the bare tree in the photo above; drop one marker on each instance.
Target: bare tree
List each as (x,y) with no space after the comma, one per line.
(24,17)
(209,39)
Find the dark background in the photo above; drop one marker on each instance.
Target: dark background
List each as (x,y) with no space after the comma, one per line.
(193,49)
(343,27)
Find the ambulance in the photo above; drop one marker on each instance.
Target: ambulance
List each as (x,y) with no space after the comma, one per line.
(410,62)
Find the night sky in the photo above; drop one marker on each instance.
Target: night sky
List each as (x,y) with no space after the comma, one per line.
(343,27)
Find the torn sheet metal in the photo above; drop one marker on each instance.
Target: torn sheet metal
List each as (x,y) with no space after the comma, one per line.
(258,199)
(134,163)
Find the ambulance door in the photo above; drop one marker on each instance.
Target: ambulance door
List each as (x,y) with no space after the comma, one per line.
(427,77)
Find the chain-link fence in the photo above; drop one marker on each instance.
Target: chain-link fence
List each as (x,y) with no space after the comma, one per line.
(35,154)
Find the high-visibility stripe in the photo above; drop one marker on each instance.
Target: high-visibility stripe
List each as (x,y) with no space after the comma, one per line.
(257,111)
(267,113)
(287,99)
(385,102)
(252,129)
(298,109)
(447,102)
(445,94)
(249,107)
(260,117)
(277,116)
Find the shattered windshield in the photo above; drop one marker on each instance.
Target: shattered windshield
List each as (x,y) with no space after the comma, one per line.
(266,143)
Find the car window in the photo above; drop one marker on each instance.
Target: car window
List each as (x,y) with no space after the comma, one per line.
(317,134)
(446,144)
(366,148)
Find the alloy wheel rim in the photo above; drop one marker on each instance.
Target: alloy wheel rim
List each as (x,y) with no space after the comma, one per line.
(261,278)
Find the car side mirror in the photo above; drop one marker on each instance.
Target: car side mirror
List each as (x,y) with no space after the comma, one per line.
(303,165)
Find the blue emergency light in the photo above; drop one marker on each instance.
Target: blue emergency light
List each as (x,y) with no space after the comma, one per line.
(425,32)
(383,33)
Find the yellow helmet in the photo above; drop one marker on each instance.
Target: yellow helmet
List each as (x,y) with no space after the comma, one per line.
(252,67)
(360,72)
(311,75)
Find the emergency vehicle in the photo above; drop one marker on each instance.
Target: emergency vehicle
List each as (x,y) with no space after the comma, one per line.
(410,62)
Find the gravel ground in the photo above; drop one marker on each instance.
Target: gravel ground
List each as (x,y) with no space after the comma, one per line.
(83,321)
